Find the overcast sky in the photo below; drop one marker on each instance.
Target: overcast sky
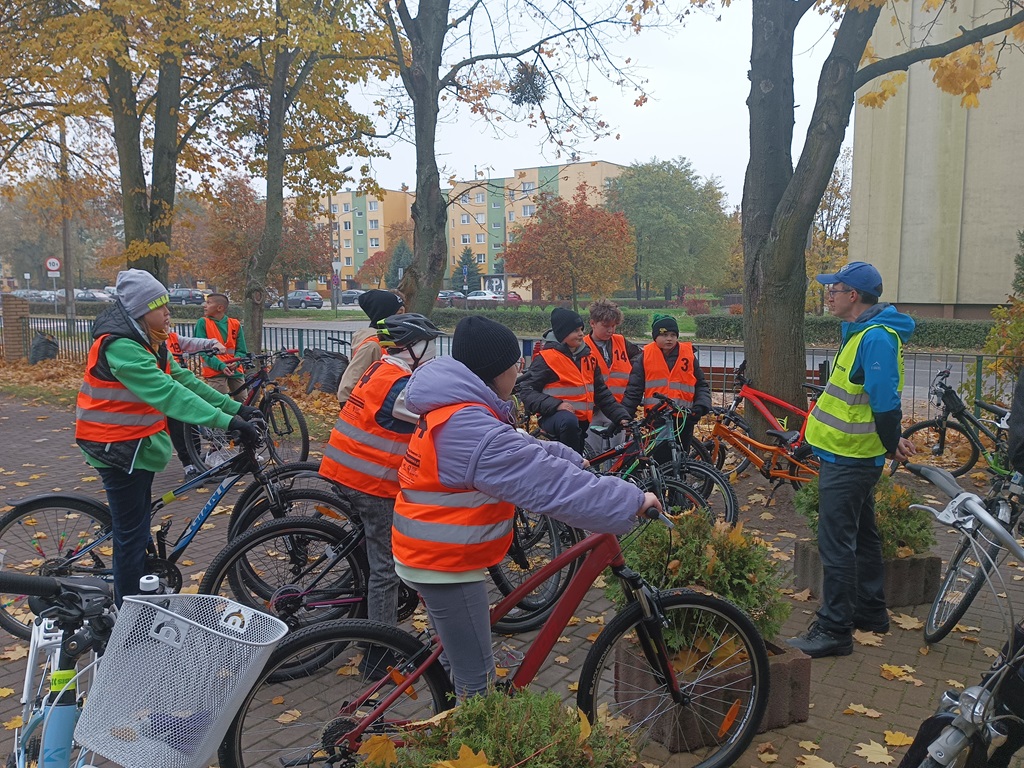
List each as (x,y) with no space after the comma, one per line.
(698,86)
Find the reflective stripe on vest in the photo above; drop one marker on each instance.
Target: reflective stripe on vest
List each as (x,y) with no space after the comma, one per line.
(231,342)
(680,383)
(438,528)
(574,386)
(616,375)
(361,454)
(108,412)
(842,422)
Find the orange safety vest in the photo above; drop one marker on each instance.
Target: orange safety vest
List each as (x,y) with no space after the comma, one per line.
(231,342)
(680,383)
(108,412)
(574,386)
(362,454)
(174,347)
(438,528)
(616,375)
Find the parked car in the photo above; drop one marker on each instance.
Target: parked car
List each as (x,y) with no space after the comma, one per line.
(305,298)
(482,296)
(271,298)
(185,296)
(511,297)
(351,296)
(93,294)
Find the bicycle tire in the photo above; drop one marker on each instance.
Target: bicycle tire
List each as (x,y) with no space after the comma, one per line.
(305,474)
(274,567)
(27,533)
(303,676)
(723,653)
(537,539)
(961,582)
(804,454)
(207,447)
(287,431)
(942,444)
(295,502)
(676,496)
(713,486)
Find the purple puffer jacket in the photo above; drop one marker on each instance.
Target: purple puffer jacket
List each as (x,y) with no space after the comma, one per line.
(475,450)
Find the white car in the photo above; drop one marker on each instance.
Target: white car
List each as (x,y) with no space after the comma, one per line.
(483,296)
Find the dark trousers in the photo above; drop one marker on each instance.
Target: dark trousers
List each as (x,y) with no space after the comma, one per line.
(128,496)
(564,427)
(849,545)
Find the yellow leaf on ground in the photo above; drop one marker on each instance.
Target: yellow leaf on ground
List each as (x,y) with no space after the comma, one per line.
(584,725)
(860,709)
(573,621)
(501,671)
(898,739)
(288,716)
(867,638)
(5,692)
(767,757)
(810,746)
(14,653)
(277,700)
(990,652)
(13,723)
(874,752)
(813,761)
(563,639)
(767,516)
(593,636)
(594,619)
(379,750)
(467,759)
(964,628)
(924,650)
(561,659)
(803,597)
(574,686)
(956,684)
(90,479)
(903,621)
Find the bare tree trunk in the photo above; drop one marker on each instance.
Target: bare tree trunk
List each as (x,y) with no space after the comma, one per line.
(127,140)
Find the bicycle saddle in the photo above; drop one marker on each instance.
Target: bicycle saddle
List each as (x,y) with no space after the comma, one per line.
(604,431)
(787,437)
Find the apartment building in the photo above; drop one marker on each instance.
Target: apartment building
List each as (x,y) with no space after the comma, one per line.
(359,227)
(484,213)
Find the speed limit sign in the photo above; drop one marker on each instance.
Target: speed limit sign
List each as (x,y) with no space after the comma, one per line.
(53,264)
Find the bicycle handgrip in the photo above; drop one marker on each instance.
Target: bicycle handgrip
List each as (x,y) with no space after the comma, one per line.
(23,584)
(937,476)
(653,513)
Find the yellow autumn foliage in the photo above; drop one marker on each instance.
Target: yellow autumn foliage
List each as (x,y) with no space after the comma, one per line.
(887,88)
(965,72)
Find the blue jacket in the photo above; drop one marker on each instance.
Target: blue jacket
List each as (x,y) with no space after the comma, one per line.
(476,450)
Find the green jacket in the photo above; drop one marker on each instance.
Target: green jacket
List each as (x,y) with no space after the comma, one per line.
(222,326)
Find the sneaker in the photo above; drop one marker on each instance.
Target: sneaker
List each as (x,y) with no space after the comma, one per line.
(191,472)
(818,642)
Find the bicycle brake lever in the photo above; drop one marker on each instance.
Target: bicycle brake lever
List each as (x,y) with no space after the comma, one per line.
(653,513)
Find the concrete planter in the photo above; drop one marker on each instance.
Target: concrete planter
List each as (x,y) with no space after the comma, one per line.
(789,699)
(909,581)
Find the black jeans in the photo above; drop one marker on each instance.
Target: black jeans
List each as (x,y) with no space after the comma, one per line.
(849,545)
(564,427)
(128,496)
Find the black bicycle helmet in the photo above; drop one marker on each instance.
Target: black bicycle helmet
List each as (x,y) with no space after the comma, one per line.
(405,330)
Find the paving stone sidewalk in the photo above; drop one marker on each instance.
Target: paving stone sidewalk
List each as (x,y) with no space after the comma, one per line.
(37,455)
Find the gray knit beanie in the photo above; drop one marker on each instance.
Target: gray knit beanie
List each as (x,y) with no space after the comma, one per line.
(139,292)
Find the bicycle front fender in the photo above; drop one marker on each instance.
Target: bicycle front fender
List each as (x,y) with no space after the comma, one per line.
(59,498)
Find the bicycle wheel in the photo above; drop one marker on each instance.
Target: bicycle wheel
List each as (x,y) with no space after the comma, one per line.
(297,502)
(42,537)
(301,570)
(943,444)
(963,579)
(299,474)
(322,682)
(802,461)
(536,540)
(208,446)
(713,486)
(676,496)
(720,664)
(286,428)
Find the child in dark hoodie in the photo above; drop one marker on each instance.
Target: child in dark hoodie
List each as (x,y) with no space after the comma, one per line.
(564,383)
(466,470)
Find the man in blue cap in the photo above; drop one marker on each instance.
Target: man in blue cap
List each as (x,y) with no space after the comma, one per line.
(853,428)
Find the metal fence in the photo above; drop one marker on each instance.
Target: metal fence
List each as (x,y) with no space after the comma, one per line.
(75,337)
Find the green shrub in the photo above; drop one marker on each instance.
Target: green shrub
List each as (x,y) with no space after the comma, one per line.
(524,729)
(904,531)
(719,327)
(724,560)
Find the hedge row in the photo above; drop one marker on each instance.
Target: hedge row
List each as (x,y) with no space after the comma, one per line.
(94,308)
(931,332)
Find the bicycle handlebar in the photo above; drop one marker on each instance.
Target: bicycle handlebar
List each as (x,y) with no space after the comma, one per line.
(23,584)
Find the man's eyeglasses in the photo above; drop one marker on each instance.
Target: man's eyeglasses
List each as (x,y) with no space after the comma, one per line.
(833,291)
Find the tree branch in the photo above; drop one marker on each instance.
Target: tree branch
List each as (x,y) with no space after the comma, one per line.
(903,61)
(469,12)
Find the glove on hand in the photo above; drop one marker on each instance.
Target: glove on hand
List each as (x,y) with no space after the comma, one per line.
(249,412)
(246,430)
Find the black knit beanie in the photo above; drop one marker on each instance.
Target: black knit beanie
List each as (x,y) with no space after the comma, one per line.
(485,347)
(664,324)
(564,322)
(378,304)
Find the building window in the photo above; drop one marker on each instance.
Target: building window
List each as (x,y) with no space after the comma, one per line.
(372,205)
(334,207)
(464,197)
(348,261)
(481,258)
(528,188)
(373,223)
(495,204)
(496,225)
(465,239)
(481,197)
(347,226)
(348,243)
(334,226)
(464,219)
(346,207)
(375,242)
(481,237)
(359,233)
(360,250)
(481,218)
(528,210)
(511,215)
(511,194)
(359,213)
(497,246)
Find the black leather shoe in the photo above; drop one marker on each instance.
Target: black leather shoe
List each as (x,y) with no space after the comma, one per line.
(818,642)
(879,626)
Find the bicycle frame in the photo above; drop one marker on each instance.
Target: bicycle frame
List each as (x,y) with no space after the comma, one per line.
(598,552)
(748,446)
(972,426)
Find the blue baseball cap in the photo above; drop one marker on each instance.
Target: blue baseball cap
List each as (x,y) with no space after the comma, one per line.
(856,274)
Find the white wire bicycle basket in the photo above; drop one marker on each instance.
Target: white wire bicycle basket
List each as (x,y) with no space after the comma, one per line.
(174,673)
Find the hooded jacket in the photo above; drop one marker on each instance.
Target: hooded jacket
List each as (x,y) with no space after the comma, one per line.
(127,357)
(475,450)
(530,385)
(876,367)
